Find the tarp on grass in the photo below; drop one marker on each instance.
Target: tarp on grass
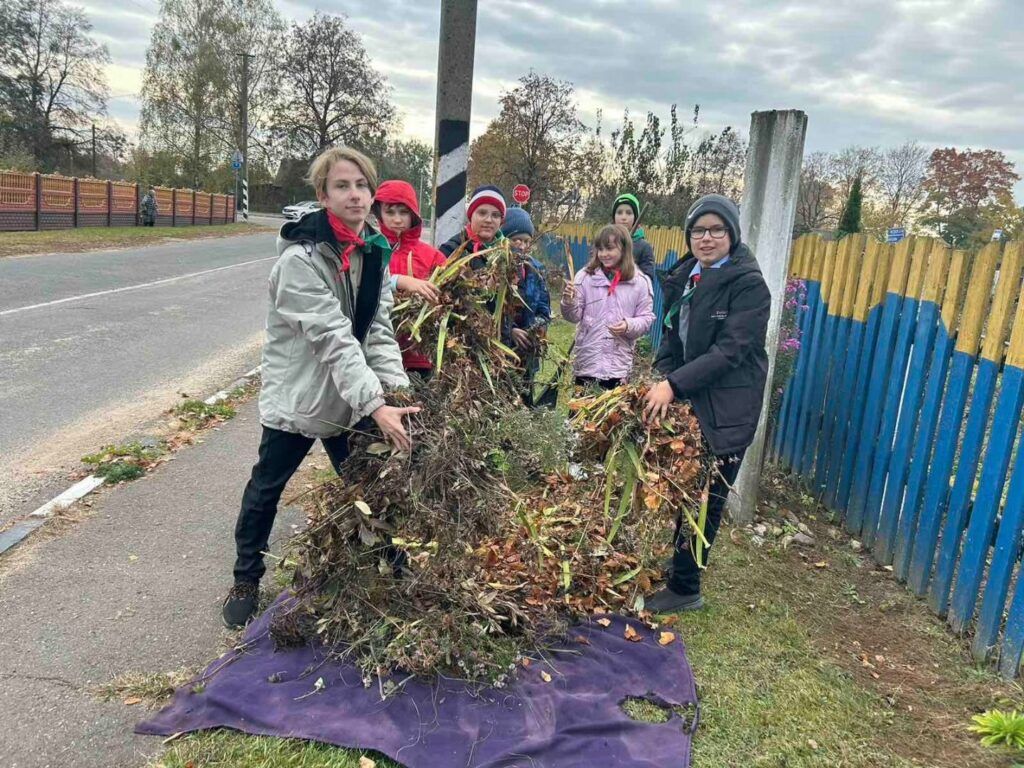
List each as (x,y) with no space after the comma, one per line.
(573,720)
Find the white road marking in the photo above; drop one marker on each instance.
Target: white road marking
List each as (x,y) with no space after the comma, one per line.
(89,484)
(165,281)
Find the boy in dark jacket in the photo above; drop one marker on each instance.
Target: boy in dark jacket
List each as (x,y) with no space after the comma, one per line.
(626,211)
(712,353)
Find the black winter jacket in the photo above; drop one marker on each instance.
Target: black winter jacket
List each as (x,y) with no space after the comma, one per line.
(643,255)
(724,370)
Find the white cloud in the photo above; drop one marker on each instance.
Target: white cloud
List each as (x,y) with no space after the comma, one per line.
(944,72)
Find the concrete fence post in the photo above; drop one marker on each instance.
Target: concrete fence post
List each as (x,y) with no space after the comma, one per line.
(771,182)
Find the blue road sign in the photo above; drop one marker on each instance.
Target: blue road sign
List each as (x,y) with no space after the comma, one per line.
(895,234)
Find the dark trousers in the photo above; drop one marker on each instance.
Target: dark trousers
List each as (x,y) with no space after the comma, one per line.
(281,453)
(685,578)
(148,222)
(586,381)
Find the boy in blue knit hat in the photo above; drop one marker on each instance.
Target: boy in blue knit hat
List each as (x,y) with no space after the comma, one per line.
(529,322)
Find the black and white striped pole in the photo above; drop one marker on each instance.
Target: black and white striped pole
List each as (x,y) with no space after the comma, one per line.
(243,202)
(454,106)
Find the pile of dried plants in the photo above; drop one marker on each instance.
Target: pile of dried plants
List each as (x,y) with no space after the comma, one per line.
(505,524)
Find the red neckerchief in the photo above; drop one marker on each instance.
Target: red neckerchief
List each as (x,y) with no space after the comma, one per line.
(405,241)
(615,281)
(348,239)
(473,237)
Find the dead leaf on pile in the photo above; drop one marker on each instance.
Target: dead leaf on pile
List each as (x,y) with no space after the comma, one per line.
(821,564)
(632,635)
(605,622)
(365,762)
(581,640)
(545,676)
(665,638)
(132,701)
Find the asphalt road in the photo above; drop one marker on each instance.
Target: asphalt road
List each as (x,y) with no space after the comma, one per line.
(95,346)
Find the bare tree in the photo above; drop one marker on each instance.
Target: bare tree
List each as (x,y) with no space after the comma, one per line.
(331,94)
(853,163)
(815,205)
(901,178)
(52,80)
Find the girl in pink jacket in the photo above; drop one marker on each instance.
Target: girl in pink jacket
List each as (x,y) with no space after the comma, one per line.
(612,303)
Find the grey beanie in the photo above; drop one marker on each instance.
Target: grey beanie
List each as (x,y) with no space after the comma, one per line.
(723,208)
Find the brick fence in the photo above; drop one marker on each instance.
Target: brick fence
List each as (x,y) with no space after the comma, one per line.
(39,201)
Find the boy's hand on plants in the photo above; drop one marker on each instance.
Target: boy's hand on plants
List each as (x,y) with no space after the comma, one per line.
(390,421)
(417,287)
(656,402)
(521,338)
(619,328)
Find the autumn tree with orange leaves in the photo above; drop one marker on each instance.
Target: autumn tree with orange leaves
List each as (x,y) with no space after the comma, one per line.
(970,195)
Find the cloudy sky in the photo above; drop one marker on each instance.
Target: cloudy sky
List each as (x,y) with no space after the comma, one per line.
(869,72)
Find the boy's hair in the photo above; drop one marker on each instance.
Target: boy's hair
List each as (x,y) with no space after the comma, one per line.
(614,234)
(322,164)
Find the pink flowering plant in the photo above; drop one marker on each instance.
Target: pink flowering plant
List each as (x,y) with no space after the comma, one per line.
(793,307)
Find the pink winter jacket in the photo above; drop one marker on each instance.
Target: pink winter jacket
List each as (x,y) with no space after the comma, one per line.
(598,354)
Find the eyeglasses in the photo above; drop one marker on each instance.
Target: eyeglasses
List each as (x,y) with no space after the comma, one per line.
(717,233)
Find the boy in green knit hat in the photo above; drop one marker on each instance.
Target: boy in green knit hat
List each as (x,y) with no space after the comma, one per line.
(626,211)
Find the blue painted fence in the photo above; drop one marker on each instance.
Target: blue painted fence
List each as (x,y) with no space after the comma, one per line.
(903,414)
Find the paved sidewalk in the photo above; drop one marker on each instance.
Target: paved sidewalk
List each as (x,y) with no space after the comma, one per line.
(134,588)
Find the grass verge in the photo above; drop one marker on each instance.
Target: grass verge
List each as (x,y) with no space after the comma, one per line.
(100,238)
(149,690)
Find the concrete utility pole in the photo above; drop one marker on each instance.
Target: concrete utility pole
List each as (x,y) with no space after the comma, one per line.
(243,140)
(770,186)
(454,106)
(94,150)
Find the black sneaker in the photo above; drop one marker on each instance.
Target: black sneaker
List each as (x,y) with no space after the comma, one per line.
(240,604)
(667,601)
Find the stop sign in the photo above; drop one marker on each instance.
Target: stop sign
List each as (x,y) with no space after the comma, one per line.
(521,193)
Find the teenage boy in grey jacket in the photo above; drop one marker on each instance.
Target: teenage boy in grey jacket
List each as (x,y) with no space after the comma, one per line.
(329,353)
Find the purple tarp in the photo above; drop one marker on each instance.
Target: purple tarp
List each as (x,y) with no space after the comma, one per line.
(573,720)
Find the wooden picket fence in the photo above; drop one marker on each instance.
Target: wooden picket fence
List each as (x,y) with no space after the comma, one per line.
(35,201)
(903,414)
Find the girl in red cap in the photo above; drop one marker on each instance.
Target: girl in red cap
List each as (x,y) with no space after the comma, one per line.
(412,260)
